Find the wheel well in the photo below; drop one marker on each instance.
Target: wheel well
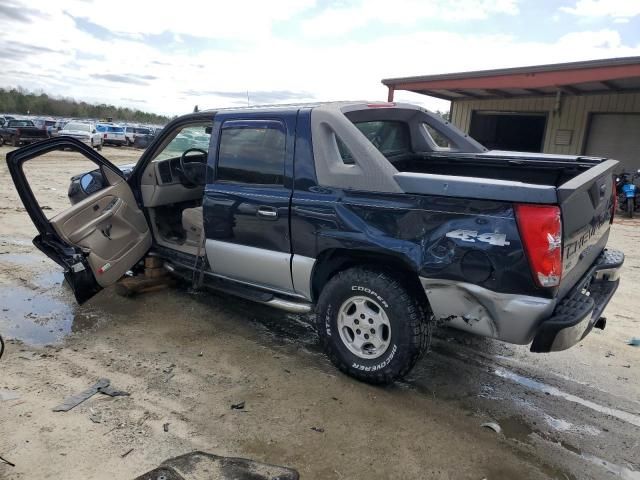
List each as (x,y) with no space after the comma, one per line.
(333,261)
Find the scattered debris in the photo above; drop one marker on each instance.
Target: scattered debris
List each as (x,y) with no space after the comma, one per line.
(493,426)
(8,395)
(129,286)
(237,406)
(318,429)
(75,400)
(609,354)
(126,453)
(112,392)
(165,427)
(103,385)
(95,417)
(201,465)
(634,342)
(169,369)
(4,460)
(201,354)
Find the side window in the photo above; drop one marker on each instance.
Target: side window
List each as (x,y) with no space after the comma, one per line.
(252,152)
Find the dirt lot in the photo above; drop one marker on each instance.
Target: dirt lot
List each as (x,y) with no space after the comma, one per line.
(187,357)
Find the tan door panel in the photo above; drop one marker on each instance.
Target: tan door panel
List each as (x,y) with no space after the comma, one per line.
(110,227)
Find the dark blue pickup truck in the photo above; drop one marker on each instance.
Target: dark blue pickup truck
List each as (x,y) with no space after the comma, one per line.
(381,218)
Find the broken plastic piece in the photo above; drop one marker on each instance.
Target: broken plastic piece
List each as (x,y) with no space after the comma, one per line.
(634,342)
(198,465)
(493,426)
(75,400)
(112,392)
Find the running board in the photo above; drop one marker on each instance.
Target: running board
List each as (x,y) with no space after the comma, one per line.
(243,291)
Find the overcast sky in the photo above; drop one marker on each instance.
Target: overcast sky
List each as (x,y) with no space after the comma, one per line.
(165,57)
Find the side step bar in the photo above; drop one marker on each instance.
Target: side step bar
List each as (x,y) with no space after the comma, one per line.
(241,290)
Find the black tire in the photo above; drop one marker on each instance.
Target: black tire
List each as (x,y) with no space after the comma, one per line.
(99,147)
(407,313)
(630,207)
(15,141)
(1,140)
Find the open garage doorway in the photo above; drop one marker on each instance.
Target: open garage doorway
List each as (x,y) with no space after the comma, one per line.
(615,135)
(522,132)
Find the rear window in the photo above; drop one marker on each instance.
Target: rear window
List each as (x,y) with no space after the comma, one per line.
(115,129)
(143,131)
(390,137)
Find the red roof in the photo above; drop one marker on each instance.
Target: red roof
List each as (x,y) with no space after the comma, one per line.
(594,76)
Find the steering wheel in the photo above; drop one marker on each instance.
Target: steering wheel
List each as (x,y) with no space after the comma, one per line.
(193,173)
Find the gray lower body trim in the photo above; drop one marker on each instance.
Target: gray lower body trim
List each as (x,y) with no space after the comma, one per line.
(465,306)
(250,264)
(301,269)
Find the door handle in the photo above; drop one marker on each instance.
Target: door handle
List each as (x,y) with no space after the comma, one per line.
(268,212)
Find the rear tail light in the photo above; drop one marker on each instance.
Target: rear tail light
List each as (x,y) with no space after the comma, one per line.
(541,231)
(105,135)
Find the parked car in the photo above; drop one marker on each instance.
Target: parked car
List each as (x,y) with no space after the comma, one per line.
(59,125)
(111,134)
(5,118)
(85,132)
(131,133)
(367,222)
(44,124)
(17,132)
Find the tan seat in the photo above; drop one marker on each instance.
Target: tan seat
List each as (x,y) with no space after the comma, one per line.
(192,223)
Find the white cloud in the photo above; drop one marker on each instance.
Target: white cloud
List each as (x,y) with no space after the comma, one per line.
(342,19)
(617,9)
(60,59)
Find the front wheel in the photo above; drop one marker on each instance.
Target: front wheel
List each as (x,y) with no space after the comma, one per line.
(371,325)
(15,141)
(630,207)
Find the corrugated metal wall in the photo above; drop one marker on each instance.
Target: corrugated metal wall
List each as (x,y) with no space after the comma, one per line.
(573,115)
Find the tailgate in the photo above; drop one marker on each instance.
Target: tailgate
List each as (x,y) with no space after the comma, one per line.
(586,202)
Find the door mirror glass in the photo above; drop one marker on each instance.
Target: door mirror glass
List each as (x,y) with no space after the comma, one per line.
(93,131)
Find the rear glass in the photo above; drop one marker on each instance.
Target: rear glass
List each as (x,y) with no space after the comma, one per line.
(390,137)
(115,129)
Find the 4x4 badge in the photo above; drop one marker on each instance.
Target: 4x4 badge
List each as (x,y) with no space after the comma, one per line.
(498,239)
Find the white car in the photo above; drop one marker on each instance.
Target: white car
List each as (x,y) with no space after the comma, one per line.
(85,132)
(111,134)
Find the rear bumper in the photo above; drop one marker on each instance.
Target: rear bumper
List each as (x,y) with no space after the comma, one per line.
(577,313)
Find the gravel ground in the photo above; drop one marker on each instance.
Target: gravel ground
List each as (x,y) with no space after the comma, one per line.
(187,357)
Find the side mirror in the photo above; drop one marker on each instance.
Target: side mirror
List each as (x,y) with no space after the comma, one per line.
(92,182)
(93,131)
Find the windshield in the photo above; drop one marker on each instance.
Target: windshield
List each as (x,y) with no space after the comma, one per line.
(78,126)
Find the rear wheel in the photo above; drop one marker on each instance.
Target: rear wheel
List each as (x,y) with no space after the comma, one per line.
(630,207)
(371,325)
(99,147)
(15,141)
(1,140)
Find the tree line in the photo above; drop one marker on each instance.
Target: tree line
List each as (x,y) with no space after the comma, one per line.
(21,101)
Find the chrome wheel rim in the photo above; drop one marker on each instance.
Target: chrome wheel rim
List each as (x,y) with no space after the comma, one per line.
(364,327)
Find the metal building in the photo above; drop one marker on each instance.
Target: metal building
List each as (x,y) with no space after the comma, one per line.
(587,108)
